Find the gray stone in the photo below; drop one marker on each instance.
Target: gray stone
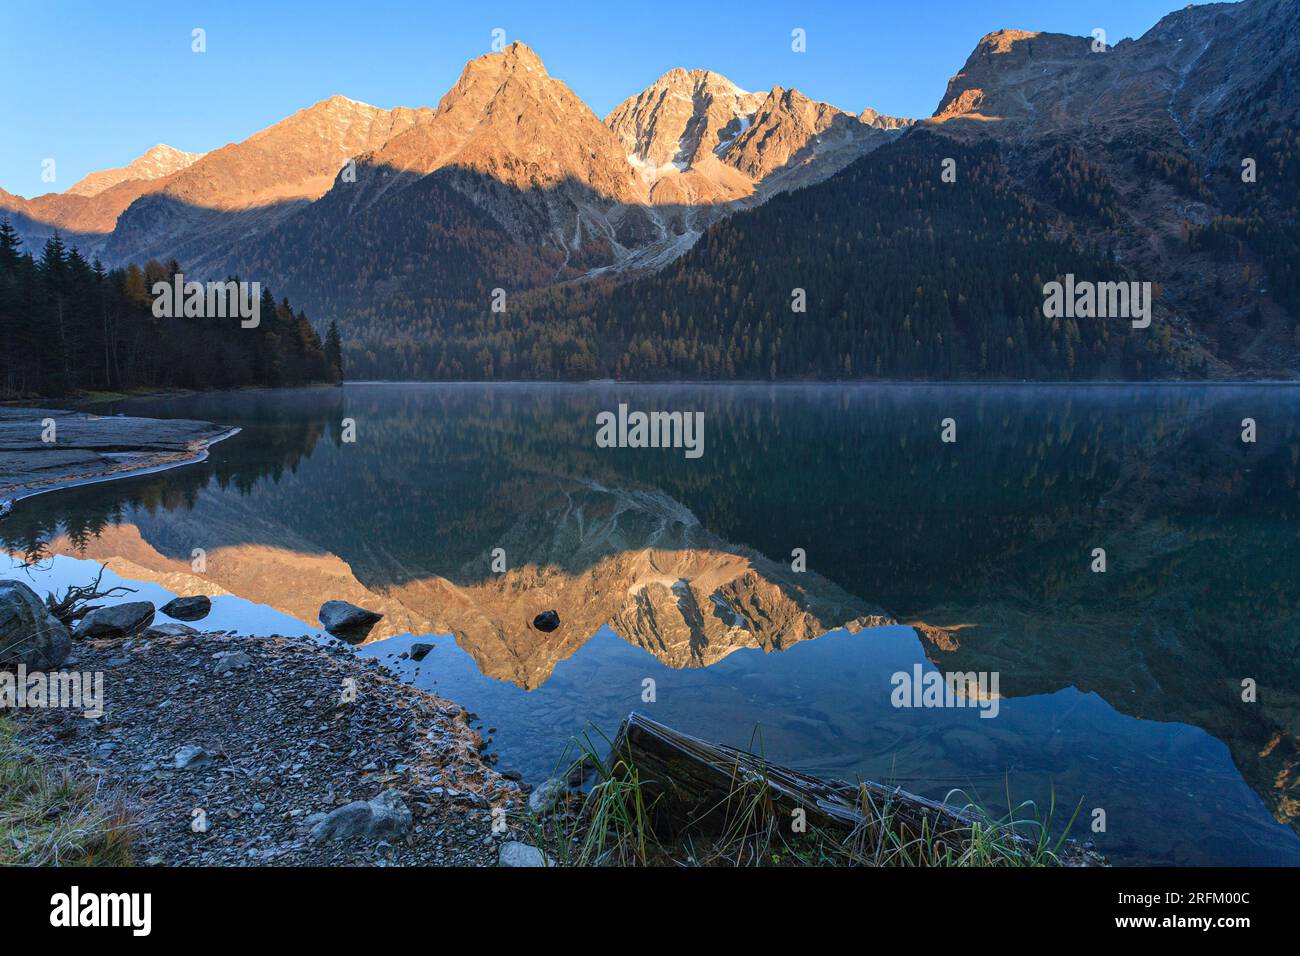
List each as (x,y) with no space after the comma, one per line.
(420,651)
(346,620)
(29,634)
(514,853)
(168,630)
(192,757)
(120,620)
(194,608)
(545,797)
(386,817)
(390,816)
(234,661)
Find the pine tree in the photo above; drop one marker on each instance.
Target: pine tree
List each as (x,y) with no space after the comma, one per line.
(334,351)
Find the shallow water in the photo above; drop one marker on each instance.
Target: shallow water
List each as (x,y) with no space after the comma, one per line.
(1119,692)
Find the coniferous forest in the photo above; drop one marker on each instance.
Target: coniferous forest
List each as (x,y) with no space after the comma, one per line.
(882,271)
(68,325)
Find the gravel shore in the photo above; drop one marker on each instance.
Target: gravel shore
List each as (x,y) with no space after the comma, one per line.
(232,751)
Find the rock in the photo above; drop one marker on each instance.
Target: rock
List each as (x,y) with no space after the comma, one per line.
(386,817)
(351,820)
(544,798)
(120,620)
(6,508)
(168,630)
(391,817)
(234,661)
(29,633)
(194,608)
(514,853)
(347,621)
(420,651)
(547,621)
(193,757)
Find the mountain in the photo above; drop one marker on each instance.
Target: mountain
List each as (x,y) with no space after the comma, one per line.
(707,148)
(1141,147)
(244,188)
(514,184)
(88,210)
(510,231)
(156,163)
(1117,165)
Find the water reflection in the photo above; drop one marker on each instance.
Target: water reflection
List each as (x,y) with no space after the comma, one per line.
(988,542)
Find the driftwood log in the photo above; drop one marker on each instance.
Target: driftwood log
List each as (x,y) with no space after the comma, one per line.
(691,783)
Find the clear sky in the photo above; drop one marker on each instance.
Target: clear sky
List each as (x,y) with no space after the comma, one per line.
(93,84)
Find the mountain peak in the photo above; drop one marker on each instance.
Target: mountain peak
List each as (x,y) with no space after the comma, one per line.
(522,53)
(518,57)
(684,117)
(158,161)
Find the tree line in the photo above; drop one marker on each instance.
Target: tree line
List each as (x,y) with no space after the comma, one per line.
(69,325)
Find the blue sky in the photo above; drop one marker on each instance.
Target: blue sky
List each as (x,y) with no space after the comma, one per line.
(94,84)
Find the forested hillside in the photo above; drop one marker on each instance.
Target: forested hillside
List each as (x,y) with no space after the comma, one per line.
(69,325)
(902,275)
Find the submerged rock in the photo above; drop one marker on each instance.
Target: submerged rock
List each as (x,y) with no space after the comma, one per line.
(347,621)
(547,621)
(29,634)
(194,608)
(120,620)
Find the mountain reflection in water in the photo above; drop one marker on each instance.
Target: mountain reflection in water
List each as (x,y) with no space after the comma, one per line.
(680,572)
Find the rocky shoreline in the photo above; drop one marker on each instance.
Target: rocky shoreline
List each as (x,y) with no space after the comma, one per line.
(278,751)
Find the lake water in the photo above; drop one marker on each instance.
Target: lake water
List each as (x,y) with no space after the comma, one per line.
(461,511)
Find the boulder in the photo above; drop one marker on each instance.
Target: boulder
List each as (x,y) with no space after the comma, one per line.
(547,621)
(420,651)
(386,817)
(120,620)
(194,608)
(347,621)
(514,853)
(29,633)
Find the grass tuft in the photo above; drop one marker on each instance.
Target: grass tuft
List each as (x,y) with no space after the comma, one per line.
(52,817)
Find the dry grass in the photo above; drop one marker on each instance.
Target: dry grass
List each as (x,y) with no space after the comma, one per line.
(54,817)
(613,824)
